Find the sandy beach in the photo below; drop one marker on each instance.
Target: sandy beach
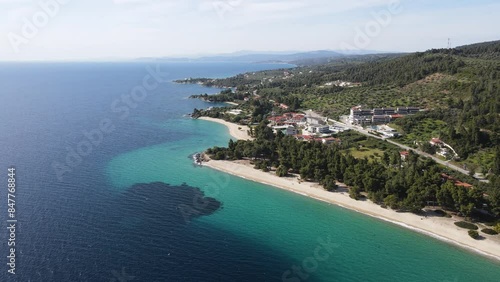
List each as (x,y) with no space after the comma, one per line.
(441,228)
(239,132)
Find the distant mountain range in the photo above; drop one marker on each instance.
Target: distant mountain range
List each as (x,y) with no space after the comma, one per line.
(268,57)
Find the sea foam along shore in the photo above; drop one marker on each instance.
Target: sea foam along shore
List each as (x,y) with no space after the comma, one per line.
(438,227)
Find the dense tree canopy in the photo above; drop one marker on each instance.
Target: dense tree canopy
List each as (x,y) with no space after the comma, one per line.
(459,89)
(405,185)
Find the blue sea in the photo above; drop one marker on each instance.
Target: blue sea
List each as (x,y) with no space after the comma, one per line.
(107,191)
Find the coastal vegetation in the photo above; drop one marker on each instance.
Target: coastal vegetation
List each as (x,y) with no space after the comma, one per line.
(474,234)
(252,112)
(466,225)
(489,231)
(459,88)
(224,96)
(442,213)
(404,185)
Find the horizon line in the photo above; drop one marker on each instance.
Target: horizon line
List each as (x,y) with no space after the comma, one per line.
(201,56)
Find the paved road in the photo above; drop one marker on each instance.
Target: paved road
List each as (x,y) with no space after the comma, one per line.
(439,161)
(365,132)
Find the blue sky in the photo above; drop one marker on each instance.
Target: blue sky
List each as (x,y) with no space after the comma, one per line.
(124,29)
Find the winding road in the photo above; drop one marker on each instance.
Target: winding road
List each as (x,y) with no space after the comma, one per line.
(365,132)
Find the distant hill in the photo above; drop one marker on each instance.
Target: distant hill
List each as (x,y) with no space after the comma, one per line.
(303,58)
(486,50)
(346,58)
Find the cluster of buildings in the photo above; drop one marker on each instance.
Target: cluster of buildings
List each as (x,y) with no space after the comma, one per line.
(287,75)
(363,116)
(293,119)
(343,83)
(313,128)
(444,150)
(286,129)
(385,131)
(287,123)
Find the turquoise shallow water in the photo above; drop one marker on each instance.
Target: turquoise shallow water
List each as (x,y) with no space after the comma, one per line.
(93,226)
(363,248)
(81,223)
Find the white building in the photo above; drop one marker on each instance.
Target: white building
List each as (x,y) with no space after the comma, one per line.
(336,129)
(286,129)
(443,152)
(387,131)
(315,121)
(318,129)
(235,112)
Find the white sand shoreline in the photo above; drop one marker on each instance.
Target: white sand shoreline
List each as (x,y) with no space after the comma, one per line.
(437,227)
(239,132)
(440,228)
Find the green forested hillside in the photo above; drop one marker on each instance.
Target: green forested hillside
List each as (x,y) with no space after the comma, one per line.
(407,185)
(459,88)
(485,50)
(404,70)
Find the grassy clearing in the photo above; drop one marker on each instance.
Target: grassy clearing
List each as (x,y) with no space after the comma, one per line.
(360,153)
(425,131)
(371,148)
(360,146)
(483,160)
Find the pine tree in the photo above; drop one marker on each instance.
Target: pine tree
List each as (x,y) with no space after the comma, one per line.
(496,163)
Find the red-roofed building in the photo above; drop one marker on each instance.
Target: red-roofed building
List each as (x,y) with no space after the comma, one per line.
(436,141)
(287,119)
(296,118)
(304,137)
(277,120)
(396,116)
(330,140)
(404,154)
(456,182)
(446,177)
(465,185)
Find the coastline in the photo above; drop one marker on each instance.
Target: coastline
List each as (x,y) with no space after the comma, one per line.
(441,228)
(239,132)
